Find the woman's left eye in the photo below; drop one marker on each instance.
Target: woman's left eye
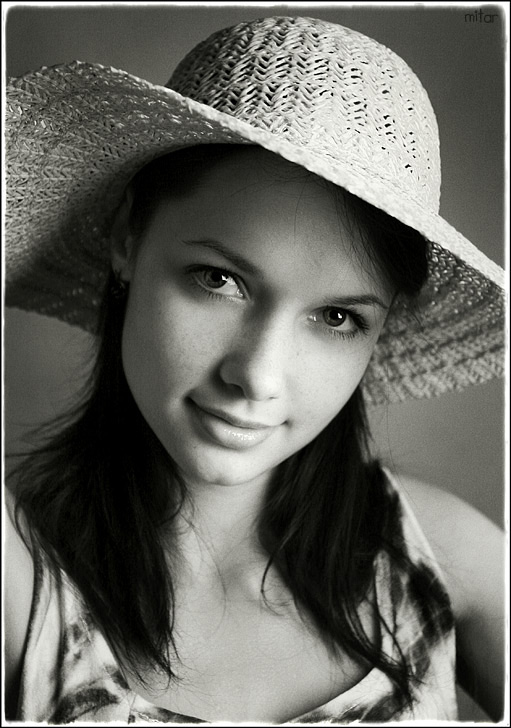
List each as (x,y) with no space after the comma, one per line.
(341,322)
(218,282)
(335,316)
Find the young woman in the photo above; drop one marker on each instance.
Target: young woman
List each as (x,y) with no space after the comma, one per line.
(258,248)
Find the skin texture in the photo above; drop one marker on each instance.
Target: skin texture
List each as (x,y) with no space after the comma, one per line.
(256,347)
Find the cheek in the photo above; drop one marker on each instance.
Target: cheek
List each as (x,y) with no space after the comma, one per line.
(168,347)
(325,386)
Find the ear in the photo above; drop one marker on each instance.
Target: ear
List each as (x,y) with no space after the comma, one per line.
(122,244)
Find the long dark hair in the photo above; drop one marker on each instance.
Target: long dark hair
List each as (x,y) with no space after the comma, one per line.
(325,519)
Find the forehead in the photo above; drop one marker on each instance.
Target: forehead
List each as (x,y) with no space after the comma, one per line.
(277,213)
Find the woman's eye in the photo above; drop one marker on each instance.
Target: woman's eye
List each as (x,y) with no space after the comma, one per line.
(335,316)
(220,281)
(339,322)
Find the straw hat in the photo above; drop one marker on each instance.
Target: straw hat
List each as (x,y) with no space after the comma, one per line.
(318,94)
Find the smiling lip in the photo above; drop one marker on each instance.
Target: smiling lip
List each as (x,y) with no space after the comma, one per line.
(228,430)
(233,420)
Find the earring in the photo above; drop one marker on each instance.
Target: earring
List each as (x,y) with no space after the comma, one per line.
(118,287)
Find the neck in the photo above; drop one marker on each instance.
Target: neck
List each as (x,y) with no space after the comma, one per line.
(217,533)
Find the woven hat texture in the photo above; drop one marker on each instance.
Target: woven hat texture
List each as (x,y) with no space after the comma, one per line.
(320,95)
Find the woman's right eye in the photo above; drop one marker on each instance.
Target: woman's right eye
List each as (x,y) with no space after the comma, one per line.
(217,282)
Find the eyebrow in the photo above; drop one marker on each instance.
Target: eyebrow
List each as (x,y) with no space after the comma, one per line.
(365,299)
(238,260)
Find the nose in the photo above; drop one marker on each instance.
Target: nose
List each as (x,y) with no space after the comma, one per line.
(257,359)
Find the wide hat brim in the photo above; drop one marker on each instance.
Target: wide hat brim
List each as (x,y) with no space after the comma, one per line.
(76,135)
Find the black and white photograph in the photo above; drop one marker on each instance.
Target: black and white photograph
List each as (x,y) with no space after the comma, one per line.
(255,340)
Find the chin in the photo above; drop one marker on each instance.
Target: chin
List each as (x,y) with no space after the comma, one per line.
(227,473)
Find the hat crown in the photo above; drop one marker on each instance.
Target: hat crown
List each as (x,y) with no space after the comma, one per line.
(327,88)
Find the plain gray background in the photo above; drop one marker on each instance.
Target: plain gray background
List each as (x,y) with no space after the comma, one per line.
(455,441)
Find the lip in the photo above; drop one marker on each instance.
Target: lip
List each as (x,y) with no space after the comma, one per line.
(228,430)
(233,420)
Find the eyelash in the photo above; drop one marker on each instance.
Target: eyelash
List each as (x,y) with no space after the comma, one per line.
(362,327)
(196,270)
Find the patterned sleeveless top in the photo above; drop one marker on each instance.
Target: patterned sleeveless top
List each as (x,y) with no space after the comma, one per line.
(70,673)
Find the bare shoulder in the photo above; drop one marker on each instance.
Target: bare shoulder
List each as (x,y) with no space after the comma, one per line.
(470,550)
(469,547)
(18,593)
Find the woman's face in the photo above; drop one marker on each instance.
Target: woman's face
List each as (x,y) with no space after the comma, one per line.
(251,318)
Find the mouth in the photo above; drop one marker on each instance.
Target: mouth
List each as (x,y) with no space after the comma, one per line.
(227,430)
(233,420)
